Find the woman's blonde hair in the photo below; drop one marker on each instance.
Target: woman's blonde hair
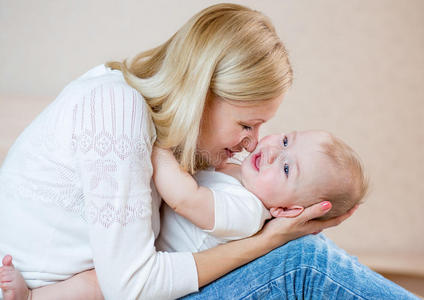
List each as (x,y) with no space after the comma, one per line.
(227,49)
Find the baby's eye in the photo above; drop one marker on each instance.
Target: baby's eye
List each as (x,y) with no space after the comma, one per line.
(285,141)
(246,127)
(286,169)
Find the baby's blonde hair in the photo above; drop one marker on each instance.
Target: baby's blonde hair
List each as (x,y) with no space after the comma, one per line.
(352,183)
(227,49)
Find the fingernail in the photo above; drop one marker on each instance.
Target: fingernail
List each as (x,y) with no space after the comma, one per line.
(325,205)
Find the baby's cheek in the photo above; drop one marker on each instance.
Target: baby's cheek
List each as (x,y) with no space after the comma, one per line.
(271,140)
(266,186)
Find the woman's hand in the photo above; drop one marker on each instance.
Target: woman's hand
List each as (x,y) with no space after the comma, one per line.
(279,231)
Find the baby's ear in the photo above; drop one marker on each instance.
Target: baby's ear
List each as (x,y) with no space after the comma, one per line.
(287,212)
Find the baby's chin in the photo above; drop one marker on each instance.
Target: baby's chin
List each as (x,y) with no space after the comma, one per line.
(244,168)
(247,180)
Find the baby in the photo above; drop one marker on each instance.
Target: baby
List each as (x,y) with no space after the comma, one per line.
(282,176)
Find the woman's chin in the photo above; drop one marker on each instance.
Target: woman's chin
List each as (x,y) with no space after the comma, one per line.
(214,160)
(218,161)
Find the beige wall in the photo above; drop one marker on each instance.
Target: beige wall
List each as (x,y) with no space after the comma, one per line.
(359,70)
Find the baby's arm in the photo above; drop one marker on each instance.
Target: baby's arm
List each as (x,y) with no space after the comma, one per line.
(83,285)
(180,191)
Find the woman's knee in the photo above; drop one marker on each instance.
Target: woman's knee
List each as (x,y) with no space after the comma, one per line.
(311,251)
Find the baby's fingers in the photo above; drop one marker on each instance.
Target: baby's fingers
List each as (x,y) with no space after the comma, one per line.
(7,278)
(6,285)
(7,269)
(6,275)
(7,260)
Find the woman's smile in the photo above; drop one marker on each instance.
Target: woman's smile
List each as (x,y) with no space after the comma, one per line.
(229,152)
(231,136)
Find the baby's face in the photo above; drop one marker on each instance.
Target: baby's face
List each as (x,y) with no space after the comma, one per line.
(286,169)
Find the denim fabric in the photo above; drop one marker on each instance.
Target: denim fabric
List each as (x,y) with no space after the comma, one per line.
(312,267)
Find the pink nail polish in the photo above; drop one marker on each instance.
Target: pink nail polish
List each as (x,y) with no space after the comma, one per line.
(325,205)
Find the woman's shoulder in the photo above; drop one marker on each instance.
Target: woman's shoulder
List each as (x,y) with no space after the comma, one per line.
(99,76)
(104,104)
(103,90)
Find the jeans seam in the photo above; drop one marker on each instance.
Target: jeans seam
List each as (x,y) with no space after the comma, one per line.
(299,268)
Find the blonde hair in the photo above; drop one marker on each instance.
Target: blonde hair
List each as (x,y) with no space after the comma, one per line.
(227,49)
(352,182)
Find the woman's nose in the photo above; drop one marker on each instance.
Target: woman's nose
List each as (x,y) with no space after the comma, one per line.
(249,142)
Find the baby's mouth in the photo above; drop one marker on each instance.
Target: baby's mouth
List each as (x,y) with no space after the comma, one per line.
(256,161)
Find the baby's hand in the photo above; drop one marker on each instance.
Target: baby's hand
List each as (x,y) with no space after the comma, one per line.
(12,283)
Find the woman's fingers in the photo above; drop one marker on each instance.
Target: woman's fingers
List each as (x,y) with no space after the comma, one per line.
(315,211)
(305,223)
(318,225)
(353,209)
(346,215)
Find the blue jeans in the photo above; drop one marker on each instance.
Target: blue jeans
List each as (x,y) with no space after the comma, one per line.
(312,267)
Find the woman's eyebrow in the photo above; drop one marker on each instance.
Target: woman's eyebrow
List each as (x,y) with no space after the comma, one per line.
(257,120)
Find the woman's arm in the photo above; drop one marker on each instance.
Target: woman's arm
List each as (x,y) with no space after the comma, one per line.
(180,191)
(216,262)
(112,158)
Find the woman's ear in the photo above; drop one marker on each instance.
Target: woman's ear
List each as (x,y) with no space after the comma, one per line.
(287,212)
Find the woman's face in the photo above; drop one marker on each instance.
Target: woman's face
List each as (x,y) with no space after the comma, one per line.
(227,128)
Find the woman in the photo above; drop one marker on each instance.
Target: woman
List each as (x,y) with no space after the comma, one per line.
(81,176)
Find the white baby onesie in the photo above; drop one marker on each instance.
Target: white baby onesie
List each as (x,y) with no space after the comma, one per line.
(238,214)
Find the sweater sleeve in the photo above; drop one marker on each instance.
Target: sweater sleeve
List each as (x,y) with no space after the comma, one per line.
(112,143)
(238,214)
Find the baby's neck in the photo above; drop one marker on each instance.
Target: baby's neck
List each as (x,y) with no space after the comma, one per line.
(231,169)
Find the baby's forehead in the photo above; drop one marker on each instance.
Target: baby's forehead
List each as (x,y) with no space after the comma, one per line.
(318,136)
(318,183)
(317,168)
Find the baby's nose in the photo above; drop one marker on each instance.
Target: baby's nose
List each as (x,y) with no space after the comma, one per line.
(273,154)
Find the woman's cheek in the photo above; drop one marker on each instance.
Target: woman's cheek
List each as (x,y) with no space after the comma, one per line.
(234,140)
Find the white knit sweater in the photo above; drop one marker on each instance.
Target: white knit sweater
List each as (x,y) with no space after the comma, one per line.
(76,193)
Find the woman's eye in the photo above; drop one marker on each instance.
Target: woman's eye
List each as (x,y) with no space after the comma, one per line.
(246,127)
(285,141)
(286,169)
